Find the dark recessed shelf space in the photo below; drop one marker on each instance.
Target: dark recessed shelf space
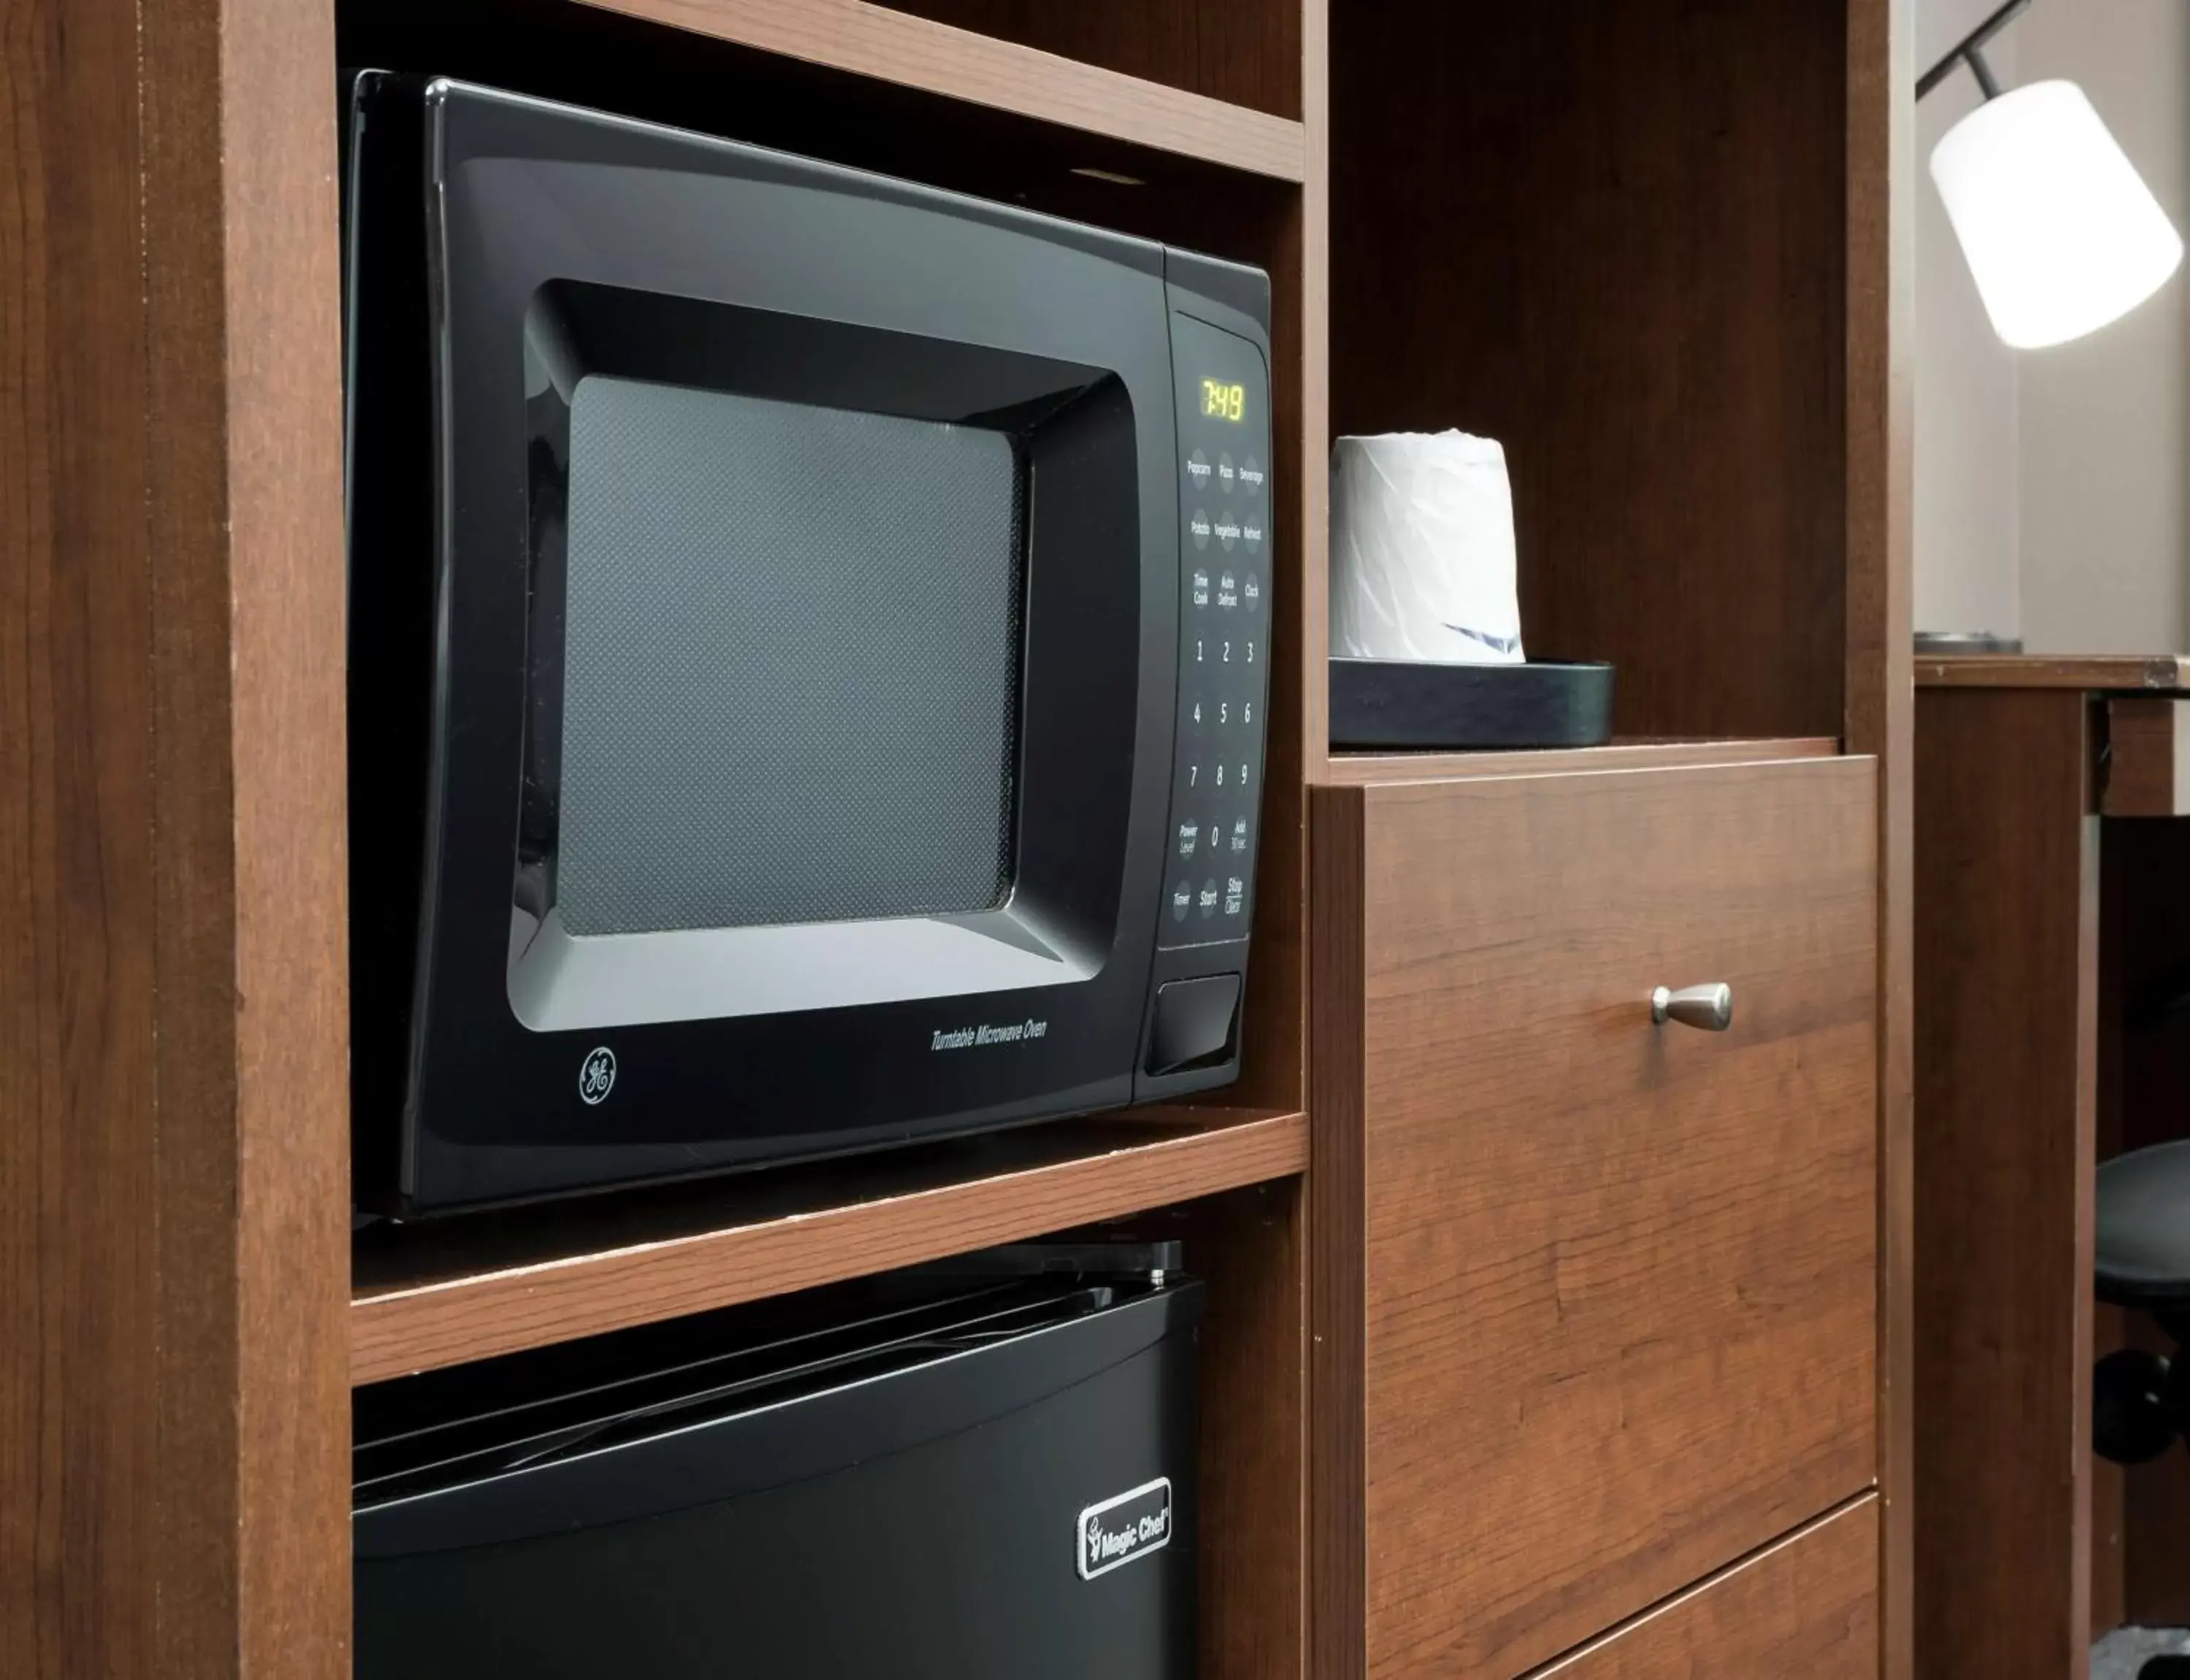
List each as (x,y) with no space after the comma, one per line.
(853,84)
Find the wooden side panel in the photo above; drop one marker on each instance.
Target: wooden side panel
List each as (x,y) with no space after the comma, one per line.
(1879,709)
(1609,237)
(79,1442)
(1337,1517)
(2006,941)
(1620,1326)
(1804,1608)
(174,1488)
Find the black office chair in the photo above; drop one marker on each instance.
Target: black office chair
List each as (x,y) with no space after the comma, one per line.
(2141,1400)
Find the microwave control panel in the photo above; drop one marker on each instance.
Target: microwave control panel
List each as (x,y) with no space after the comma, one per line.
(1225,566)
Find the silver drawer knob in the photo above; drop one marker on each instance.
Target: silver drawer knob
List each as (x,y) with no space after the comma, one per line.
(1710,1007)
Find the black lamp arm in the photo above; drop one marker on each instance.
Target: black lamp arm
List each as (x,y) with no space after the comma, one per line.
(1969,50)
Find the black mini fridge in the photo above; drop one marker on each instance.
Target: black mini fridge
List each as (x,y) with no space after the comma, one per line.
(944,1476)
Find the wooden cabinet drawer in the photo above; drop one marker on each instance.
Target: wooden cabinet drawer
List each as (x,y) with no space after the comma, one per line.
(1614,1328)
(1806,1609)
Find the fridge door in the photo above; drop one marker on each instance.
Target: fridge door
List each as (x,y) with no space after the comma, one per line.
(1004,1508)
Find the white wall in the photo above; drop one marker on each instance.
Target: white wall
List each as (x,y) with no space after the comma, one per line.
(1968,572)
(2050,485)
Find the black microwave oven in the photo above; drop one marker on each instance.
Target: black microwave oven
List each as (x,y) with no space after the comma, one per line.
(809,640)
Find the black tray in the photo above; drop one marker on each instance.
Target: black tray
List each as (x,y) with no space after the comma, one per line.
(1389,702)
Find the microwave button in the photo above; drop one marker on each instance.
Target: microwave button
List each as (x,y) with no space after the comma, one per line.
(1251,476)
(1239,834)
(1207,902)
(1197,526)
(1197,470)
(1193,1021)
(1235,896)
(1189,833)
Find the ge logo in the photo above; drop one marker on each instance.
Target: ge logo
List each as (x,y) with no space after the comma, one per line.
(597,1075)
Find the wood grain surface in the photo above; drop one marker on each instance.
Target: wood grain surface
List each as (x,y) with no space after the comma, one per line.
(1243,51)
(1805,1607)
(2008,880)
(2162,672)
(1619,1321)
(173,1439)
(1249,1248)
(439,1294)
(80,1465)
(1338,1567)
(1633,273)
(1367,769)
(2147,759)
(915,52)
(1879,712)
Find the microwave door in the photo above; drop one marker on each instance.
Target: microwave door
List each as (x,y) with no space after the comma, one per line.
(995,1509)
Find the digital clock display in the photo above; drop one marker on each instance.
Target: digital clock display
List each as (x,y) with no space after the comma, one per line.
(1222,401)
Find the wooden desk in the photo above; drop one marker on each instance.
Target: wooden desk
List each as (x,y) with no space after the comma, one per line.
(2038,914)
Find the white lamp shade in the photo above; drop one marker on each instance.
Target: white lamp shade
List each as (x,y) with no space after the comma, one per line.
(2060,230)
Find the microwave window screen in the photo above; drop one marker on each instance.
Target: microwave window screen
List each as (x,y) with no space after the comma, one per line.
(789,663)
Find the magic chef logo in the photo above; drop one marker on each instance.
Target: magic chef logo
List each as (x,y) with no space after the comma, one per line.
(975,1037)
(1118,1530)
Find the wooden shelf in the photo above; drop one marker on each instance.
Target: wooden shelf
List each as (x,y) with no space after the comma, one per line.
(442,1293)
(1350,770)
(2156,673)
(913,51)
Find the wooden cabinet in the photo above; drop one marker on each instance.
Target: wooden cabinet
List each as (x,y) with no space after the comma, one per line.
(1804,1608)
(1616,1325)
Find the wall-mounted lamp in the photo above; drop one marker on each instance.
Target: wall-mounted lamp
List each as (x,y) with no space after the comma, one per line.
(2061,232)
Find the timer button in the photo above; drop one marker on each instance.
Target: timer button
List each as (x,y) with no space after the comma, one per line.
(1182,900)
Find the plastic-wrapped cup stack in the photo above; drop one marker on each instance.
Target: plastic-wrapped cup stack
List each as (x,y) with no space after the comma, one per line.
(1422,550)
